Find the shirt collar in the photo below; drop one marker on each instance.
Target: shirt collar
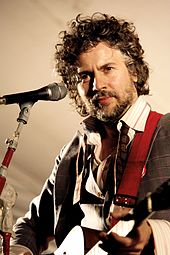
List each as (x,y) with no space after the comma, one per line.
(137,115)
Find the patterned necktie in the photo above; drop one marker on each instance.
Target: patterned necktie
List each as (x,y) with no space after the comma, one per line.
(122,152)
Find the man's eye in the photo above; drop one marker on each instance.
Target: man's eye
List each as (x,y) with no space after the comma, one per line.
(85,77)
(109,68)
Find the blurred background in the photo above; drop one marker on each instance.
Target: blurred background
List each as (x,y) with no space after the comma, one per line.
(28,33)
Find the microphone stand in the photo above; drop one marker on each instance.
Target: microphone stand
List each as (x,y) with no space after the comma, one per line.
(7,192)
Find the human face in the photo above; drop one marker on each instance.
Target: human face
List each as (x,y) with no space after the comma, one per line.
(106,87)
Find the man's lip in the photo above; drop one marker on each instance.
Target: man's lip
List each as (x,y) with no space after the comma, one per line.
(104,100)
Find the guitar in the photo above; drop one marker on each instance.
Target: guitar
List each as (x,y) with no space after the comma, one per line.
(73,244)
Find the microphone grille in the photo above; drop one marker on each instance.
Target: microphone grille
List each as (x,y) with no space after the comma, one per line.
(57,91)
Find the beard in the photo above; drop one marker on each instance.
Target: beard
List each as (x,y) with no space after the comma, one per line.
(103,112)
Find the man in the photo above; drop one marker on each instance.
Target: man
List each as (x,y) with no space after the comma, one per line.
(101,61)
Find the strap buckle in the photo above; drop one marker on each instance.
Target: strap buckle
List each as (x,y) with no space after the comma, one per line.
(125,200)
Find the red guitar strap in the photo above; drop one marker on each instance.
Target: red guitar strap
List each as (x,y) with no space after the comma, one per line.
(128,189)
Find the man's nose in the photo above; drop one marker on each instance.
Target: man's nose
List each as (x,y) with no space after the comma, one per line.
(98,83)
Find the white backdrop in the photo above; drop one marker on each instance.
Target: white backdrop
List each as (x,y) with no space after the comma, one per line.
(28,32)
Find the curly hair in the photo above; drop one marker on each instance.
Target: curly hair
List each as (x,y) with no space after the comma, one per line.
(85,33)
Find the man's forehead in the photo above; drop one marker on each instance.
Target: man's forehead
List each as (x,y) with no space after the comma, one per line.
(99,59)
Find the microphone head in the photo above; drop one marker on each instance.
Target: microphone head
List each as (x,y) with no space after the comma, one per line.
(57,91)
(53,92)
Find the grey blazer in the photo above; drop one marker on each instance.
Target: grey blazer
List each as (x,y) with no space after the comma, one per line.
(53,213)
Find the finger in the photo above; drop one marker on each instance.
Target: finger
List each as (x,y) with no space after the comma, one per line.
(120,240)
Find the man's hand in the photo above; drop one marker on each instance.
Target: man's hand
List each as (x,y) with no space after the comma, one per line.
(133,244)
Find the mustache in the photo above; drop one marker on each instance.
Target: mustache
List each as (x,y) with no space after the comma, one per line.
(103,93)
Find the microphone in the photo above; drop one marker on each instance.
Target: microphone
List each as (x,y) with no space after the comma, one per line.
(156,201)
(51,92)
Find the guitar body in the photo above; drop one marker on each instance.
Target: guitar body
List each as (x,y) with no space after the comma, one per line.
(78,238)
(73,244)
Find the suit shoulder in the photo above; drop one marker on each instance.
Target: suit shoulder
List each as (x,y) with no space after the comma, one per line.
(165,120)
